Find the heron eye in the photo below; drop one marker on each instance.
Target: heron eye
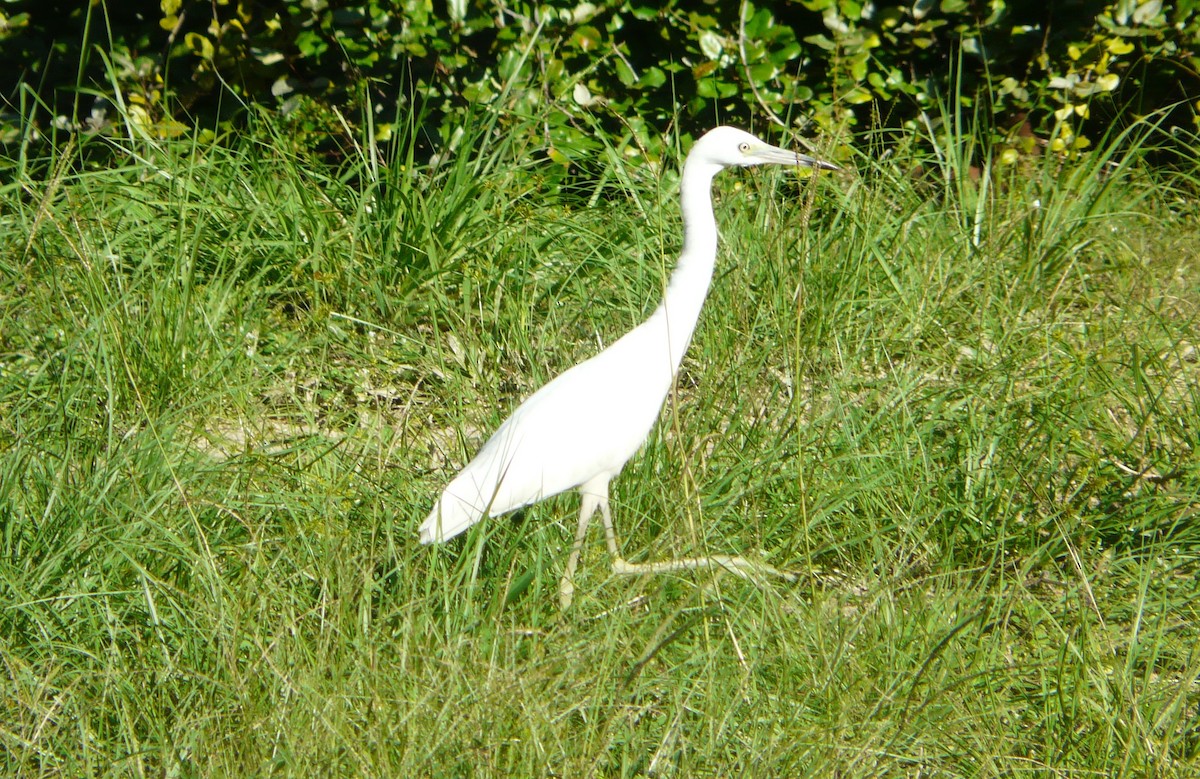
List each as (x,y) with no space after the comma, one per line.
(744,147)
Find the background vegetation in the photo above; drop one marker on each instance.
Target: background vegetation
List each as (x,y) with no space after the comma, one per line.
(953,387)
(1054,74)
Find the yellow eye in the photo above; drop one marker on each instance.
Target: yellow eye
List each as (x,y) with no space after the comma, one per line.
(744,147)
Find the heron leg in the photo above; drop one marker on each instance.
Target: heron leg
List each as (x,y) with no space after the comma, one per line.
(610,533)
(595,495)
(587,507)
(737,565)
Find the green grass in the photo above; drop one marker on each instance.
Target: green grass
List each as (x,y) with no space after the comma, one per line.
(962,411)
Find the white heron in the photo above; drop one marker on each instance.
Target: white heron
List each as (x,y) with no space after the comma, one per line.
(580,429)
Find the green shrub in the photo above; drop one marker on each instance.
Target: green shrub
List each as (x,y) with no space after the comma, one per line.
(1050,73)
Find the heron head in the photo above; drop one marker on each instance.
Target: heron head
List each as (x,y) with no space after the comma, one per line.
(731,147)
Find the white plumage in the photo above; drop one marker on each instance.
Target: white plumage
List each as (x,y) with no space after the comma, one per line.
(581,428)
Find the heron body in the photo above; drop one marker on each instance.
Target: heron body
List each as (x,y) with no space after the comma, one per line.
(581,428)
(584,424)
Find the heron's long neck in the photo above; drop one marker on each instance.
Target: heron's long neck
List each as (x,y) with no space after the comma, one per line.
(689,282)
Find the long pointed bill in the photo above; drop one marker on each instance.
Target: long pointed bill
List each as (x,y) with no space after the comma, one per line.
(778,156)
